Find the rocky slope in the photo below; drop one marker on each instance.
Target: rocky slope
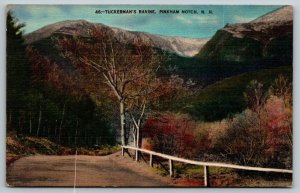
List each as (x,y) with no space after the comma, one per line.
(283,14)
(182,46)
(269,37)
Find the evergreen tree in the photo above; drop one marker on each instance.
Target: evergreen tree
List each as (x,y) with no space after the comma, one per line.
(18,72)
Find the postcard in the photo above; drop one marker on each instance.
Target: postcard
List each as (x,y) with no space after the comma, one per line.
(149,96)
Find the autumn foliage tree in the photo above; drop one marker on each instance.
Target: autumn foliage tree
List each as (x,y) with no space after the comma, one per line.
(127,69)
(244,141)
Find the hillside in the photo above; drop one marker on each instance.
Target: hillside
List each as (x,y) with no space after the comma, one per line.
(18,146)
(205,72)
(187,47)
(225,98)
(269,37)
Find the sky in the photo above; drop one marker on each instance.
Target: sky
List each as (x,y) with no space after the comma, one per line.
(185,25)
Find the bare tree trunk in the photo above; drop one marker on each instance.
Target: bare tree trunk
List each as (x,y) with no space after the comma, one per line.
(61,122)
(137,124)
(85,137)
(9,118)
(55,130)
(77,123)
(19,128)
(30,124)
(39,123)
(44,131)
(69,140)
(48,131)
(122,120)
(137,142)
(133,134)
(137,136)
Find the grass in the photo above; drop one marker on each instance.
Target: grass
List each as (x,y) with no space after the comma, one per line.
(182,170)
(186,175)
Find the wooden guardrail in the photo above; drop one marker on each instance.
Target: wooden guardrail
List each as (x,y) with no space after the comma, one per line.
(204,164)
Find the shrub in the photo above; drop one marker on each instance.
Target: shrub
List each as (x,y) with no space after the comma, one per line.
(172,134)
(278,123)
(244,141)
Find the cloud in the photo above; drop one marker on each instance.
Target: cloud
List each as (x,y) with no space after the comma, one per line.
(38,11)
(183,19)
(242,19)
(37,16)
(200,19)
(206,19)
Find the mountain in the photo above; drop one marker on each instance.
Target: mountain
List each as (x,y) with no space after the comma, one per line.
(235,55)
(182,46)
(265,42)
(267,38)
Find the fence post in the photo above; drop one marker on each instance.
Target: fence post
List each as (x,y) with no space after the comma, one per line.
(171,167)
(151,161)
(206,176)
(122,151)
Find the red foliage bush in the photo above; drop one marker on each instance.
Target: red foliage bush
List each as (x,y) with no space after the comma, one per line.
(278,123)
(172,134)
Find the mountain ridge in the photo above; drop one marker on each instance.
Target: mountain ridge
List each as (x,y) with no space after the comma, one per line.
(284,13)
(234,49)
(182,46)
(268,37)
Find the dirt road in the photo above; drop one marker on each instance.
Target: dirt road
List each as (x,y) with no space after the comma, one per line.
(102,171)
